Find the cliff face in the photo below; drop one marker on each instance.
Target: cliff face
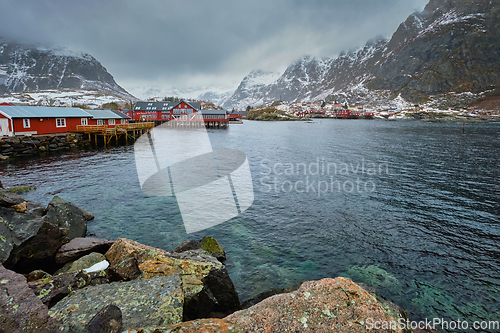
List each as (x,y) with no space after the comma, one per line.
(451,46)
(24,68)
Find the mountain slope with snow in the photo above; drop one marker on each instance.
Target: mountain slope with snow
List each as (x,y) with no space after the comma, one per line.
(26,68)
(452,46)
(252,90)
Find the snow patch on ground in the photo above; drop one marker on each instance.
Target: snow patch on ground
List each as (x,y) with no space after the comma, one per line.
(65,97)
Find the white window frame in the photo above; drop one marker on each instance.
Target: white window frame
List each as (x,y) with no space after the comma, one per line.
(85,121)
(123,121)
(26,123)
(60,122)
(111,121)
(100,122)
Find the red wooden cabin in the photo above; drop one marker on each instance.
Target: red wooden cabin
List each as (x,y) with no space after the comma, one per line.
(29,120)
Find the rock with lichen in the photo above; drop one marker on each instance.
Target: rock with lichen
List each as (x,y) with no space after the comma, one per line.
(208,244)
(52,289)
(143,303)
(20,309)
(328,305)
(206,284)
(84,262)
(32,238)
(37,274)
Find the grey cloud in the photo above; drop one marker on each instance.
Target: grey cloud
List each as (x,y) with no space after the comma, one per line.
(168,41)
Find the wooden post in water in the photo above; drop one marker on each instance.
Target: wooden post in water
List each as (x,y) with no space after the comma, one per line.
(463,129)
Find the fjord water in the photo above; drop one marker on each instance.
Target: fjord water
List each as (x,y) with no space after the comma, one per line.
(407,207)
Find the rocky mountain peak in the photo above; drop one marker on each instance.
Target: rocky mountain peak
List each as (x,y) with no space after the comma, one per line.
(30,68)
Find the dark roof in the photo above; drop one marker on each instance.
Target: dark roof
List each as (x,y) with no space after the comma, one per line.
(121,114)
(155,106)
(41,111)
(196,105)
(104,114)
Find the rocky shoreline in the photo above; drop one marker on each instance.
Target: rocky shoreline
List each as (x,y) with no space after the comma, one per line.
(54,279)
(24,146)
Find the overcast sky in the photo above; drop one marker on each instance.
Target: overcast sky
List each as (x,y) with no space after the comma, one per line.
(192,43)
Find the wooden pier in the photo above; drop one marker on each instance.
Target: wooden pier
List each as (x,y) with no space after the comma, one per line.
(198,123)
(126,131)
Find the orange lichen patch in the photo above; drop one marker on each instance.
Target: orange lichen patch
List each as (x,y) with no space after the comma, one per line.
(125,248)
(168,266)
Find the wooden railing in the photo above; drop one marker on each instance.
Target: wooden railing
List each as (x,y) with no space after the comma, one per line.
(134,126)
(91,128)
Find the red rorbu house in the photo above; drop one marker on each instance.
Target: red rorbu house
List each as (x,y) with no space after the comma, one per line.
(180,113)
(162,111)
(109,118)
(29,120)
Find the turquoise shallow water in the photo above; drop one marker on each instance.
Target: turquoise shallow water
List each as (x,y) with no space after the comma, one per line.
(416,215)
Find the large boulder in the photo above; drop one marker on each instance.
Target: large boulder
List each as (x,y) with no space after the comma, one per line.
(208,244)
(20,309)
(15,230)
(328,305)
(39,243)
(143,303)
(79,247)
(51,290)
(206,284)
(67,216)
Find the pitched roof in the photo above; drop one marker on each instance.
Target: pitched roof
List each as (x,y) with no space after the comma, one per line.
(121,114)
(155,106)
(41,111)
(105,114)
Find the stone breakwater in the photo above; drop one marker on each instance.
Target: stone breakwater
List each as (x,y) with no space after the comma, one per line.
(33,145)
(54,279)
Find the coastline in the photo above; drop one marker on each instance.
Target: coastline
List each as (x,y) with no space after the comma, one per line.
(198,287)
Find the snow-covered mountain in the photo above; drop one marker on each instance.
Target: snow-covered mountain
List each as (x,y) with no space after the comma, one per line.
(253,90)
(449,47)
(28,68)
